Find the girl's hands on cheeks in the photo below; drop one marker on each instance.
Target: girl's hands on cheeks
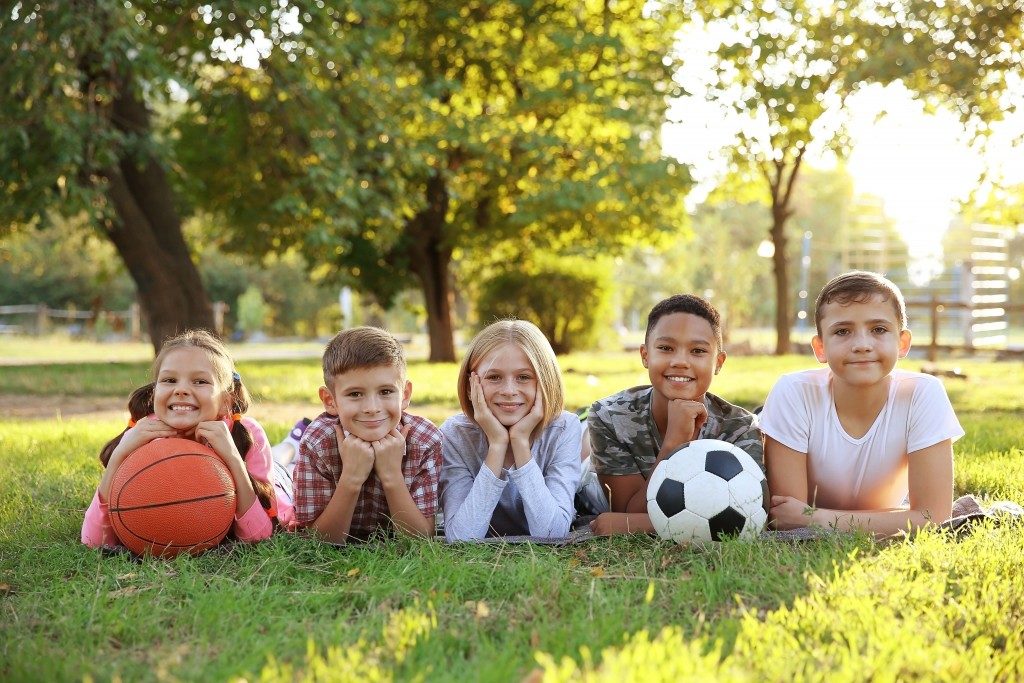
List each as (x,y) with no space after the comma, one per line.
(495,432)
(524,428)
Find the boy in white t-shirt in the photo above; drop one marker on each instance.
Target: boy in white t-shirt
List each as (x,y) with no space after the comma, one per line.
(846,444)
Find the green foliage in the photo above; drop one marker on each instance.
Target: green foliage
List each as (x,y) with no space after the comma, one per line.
(252,310)
(566,298)
(89,274)
(781,67)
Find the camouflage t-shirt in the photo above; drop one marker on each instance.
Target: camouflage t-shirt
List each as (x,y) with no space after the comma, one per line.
(626,440)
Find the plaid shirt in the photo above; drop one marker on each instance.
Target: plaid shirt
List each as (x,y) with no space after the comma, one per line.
(318,470)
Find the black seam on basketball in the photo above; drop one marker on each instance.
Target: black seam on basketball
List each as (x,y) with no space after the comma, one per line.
(175,545)
(171,502)
(154,464)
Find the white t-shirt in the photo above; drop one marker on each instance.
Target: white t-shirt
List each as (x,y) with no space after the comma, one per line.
(870,472)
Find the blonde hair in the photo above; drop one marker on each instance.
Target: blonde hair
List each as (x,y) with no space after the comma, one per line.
(531,340)
(361,347)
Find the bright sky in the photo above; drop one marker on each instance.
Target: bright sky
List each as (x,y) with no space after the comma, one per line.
(917,163)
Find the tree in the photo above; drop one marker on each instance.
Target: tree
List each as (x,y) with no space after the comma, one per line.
(382,139)
(535,123)
(107,102)
(784,66)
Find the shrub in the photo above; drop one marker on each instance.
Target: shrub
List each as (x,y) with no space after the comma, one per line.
(567,298)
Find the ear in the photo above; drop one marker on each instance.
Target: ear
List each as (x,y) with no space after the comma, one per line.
(819,349)
(406,394)
(719,361)
(328,400)
(904,343)
(643,354)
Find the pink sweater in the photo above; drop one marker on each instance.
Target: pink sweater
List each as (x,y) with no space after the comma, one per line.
(253,525)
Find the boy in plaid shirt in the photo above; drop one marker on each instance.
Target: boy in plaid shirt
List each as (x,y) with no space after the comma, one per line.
(365,464)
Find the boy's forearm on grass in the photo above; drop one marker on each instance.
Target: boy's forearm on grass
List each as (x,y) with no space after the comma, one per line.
(334,522)
(406,517)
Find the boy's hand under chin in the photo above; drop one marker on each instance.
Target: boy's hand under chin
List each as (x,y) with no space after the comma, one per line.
(685,420)
(388,454)
(357,459)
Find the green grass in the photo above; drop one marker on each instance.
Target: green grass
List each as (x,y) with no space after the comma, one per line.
(841,608)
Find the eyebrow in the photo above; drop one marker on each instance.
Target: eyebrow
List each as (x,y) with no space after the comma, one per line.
(698,340)
(867,322)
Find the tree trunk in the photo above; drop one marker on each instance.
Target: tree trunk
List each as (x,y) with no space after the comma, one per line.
(430,261)
(780,264)
(147,233)
(781,185)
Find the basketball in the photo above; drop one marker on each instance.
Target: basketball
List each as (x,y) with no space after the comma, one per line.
(172,495)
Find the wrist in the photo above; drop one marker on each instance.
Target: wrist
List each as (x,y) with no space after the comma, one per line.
(390,478)
(351,483)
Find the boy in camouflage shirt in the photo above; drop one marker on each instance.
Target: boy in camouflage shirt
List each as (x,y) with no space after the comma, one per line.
(635,429)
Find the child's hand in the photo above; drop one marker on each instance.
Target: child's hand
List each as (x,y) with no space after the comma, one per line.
(789,513)
(609,524)
(356,457)
(144,431)
(216,435)
(388,454)
(495,432)
(685,420)
(525,426)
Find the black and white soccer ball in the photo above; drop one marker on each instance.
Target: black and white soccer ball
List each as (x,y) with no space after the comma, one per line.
(705,491)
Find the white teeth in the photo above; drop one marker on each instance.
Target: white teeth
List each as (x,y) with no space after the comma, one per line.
(680,379)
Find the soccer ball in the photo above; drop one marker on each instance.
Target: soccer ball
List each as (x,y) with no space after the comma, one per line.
(706,490)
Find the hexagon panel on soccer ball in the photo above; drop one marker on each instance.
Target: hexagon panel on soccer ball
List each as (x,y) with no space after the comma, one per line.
(706,495)
(687,527)
(686,464)
(746,494)
(755,525)
(658,519)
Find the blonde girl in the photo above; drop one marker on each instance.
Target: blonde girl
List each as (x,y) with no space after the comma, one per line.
(512,457)
(196,394)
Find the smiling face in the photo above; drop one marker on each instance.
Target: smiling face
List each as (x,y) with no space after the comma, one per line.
(187,391)
(681,356)
(509,383)
(861,342)
(368,401)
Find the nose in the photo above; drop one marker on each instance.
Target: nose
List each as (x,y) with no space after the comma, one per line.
(508,386)
(372,404)
(862,341)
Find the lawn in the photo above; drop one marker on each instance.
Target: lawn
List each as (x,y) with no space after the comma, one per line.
(839,608)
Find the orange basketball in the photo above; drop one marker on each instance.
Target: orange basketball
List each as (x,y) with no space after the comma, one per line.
(172,495)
